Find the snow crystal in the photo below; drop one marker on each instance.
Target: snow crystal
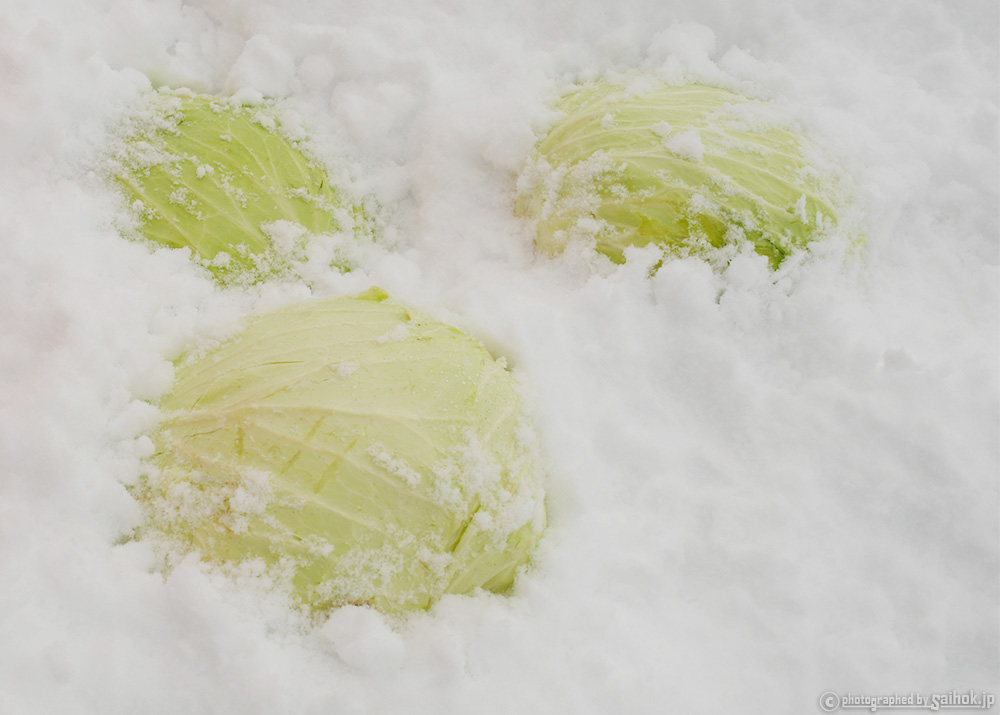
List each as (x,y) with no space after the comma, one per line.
(661,129)
(395,466)
(686,144)
(284,235)
(346,369)
(400,332)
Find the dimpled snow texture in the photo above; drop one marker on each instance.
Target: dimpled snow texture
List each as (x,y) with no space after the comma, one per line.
(366,453)
(691,168)
(207,174)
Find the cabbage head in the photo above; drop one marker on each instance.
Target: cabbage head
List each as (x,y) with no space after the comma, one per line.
(205,173)
(360,452)
(693,169)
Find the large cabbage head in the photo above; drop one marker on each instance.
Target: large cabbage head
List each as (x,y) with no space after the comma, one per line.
(361,451)
(224,180)
(689,168)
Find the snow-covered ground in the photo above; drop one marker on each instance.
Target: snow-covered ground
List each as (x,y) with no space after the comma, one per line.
(759,489)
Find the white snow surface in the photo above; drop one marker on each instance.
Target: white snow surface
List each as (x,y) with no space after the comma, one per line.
(760,486)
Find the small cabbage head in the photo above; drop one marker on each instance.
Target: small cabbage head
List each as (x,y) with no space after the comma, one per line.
(693,169)
(224,180)
(360,452)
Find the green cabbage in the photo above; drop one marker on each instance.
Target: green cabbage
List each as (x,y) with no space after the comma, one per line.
(691,168)
(360,450)
(221,179)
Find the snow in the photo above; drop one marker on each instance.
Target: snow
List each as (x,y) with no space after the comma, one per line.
(761,486)
(686,145)
(660,129)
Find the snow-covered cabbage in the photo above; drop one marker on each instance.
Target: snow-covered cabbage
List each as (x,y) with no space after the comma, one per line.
(222,179)
(690,168)
(363,452)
